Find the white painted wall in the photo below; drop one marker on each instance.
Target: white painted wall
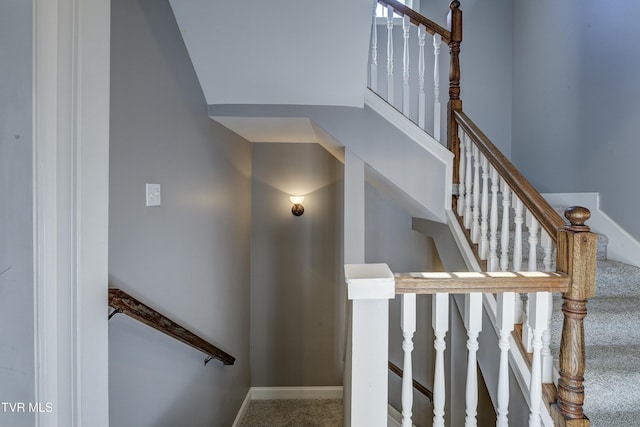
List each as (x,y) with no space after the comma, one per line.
(297,281)
(16,236)
(415,164)
(278,52)
(189,257)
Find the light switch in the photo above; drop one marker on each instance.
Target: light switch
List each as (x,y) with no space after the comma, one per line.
(153,194)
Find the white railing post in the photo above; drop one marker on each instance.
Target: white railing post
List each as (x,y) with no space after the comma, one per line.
(493,222)
(437,41)
(373,67)
(517,255)
(505,317)
(483,247)
(461,173)
(473,324)
(406,26)
(538,318)
(504,241)
(408,304)
(475,227)
(369,288)
(422,33)
(390,55)
(440,324)
(468,203)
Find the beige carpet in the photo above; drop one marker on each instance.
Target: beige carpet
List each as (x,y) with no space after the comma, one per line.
(294,413)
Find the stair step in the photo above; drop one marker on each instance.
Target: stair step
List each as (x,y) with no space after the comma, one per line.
(610,321)
(294,412)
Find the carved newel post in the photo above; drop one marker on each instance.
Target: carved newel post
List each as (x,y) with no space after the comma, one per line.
(577,258)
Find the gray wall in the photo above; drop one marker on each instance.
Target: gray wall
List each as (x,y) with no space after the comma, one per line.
(188,258)
(577,100)
(16,251)
(296,267)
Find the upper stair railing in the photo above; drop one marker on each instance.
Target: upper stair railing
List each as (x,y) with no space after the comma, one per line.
(494,203)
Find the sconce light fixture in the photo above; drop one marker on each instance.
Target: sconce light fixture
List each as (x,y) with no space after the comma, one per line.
(297,209)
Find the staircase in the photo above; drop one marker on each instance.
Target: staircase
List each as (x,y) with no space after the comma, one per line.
(612,337)
(477,176)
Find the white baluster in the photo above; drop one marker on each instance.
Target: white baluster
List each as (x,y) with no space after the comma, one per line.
(533,225)
(437,40)
(408,329)
(538,316)
(547,357)
(505,317)
(461,170)
(422,33)
(504,242)
(517,254)
(547,245)
(483,248)
(440,323)
(475,227)
(492,265)
(373,67)
(389,54)
(473,324)
(405,65)
(468,184)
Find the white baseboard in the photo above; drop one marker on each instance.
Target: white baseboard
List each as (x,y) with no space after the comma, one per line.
(243,410)
(394,419)
(328,392)
(622,246)
(265,393)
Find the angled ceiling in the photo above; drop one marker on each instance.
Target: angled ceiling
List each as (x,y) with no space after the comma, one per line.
(298,52)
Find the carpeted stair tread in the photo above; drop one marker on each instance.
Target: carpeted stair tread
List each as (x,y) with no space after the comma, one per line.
(615,419)
(614,278)
(610,321)
(612,378)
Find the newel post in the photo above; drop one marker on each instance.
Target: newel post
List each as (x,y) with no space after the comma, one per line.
(576,257)
(369,288)
(454,23)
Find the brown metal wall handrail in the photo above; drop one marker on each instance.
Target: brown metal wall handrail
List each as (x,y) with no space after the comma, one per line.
(125,303)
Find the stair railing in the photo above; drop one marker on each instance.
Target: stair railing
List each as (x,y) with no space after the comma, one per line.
(493,200)
(122,302)
(412,102)
(370,286)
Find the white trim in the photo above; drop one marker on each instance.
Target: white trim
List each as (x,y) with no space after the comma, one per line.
(622,246)
(461,241)
(394,419)
(70,209)
(243,410)
(318,392)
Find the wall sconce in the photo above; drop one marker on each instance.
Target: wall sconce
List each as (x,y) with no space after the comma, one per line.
(297,209)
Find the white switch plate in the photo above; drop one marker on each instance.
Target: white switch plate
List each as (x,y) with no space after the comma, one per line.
(153,194)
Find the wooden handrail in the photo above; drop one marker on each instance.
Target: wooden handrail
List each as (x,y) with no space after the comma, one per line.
(418,19)
(422,389)
(485,282)
(120,300)
(550,220)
